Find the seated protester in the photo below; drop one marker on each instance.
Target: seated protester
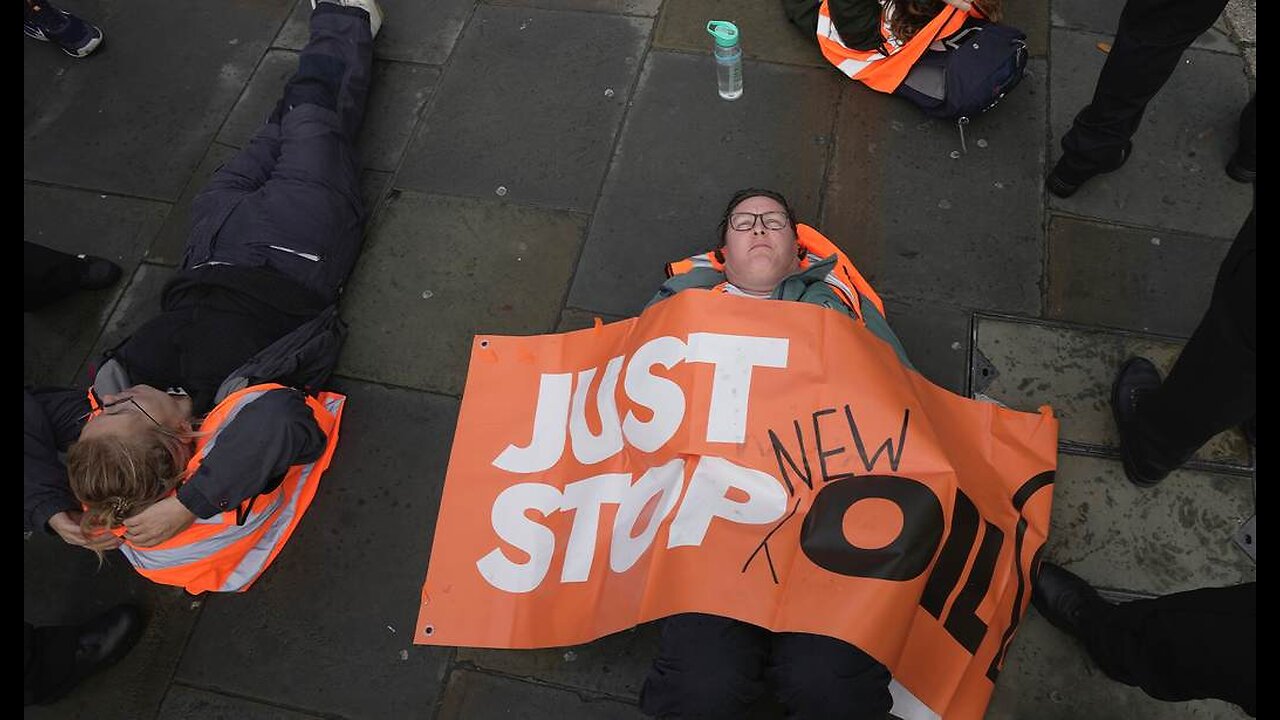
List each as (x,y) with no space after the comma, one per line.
(877,41)
(716,667)
(201,442)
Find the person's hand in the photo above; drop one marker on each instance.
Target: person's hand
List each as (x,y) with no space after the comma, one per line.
(67,525)
(158,523)
(964,5)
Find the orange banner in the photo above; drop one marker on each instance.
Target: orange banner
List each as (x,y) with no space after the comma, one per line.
(767,461)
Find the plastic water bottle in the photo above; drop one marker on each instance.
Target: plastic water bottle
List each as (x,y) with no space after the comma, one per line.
(728,58)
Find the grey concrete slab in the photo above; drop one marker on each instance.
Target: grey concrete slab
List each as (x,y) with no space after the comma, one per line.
(139,303)
(766,33)
(921,224)
(57,338)
(437,270)
(171,242)
(1049,676)
(1103,16)
(613,665)
(1032,18)
(185,703)
(531,105)
(1128,278)
(1071,368)
(936,338)
(373,188)
(419,32)
(575,319)
(479,696)
(1175,178)
(62,585)
(398,91)
(1173,537)
(666,189)
(647,8)
(145,136)
(328,628)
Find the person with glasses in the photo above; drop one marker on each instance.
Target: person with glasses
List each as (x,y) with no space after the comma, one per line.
(201,442)
(717,667)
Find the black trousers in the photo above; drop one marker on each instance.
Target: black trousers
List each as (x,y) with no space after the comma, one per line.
(1214,384)
(714,667)
(48,660)
(1149,42)
(1186,646)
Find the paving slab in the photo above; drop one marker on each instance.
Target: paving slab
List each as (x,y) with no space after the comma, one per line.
(342,597)
(145,136)
(531,105)
(1103,16)
(921,224)
(185,703)
(479,696)
(398,92)
(57,338)
(936,338)
(1028,364)
(374,185)
(412,31)
(139,303)
(575,319)
(1173,537)
(766,33)
(62,584)
(1049,676)
(1175,178)
(647,8)
(437,270)
(1129,278)
(1032,18)
(666,190)
(613,665)
(171,242)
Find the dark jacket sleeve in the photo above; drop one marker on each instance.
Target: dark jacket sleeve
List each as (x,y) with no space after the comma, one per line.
(51,420)
(858,22)
(253,451)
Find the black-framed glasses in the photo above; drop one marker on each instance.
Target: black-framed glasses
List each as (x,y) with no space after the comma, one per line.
(102,407)
(772,220)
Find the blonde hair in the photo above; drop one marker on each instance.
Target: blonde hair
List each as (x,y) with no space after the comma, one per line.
(115,477)
(909,16)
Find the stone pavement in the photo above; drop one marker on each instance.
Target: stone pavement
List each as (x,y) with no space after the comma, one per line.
(531,164)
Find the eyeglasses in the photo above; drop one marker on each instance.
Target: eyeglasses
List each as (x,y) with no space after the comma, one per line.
(772,220)
(102,407)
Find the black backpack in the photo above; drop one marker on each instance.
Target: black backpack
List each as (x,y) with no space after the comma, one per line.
(982,63)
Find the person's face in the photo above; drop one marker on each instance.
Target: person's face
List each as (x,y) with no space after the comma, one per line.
(763,252)
(137,410)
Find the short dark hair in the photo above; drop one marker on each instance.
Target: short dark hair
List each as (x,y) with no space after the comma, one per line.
(746,193)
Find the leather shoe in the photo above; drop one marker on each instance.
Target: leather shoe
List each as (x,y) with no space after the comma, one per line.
(106,638)
(1138,378)
(1242,169)
(96,273)
(1066,600)
(1067,178)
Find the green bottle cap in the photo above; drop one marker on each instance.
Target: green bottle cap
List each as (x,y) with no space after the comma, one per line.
(725,32)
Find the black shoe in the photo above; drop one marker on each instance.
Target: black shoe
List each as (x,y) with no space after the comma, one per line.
(1065,179)
(1242,169)
(1137,378)
(1250,430)
(105,639)
(97,273)
(1066,600)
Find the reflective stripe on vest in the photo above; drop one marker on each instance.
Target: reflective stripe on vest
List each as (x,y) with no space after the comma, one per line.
(885,68)
(844,278)
(217,554)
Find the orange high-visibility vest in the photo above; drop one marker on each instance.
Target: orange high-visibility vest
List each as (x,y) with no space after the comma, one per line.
(844,278)
(885,68)
(227,552)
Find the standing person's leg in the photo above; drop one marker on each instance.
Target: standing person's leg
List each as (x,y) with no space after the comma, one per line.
(708,668)
(822,677)
(292,203)
(1213,385)
(1243,166)
(1150,40)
